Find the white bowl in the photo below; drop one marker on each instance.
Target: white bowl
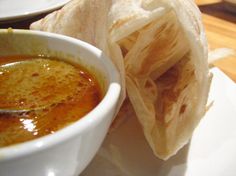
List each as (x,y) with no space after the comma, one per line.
(68,151)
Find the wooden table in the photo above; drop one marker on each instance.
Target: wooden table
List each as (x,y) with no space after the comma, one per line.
(220,26)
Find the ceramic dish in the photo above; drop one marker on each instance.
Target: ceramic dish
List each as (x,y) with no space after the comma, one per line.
(67,151)
(211,150)
(13,10)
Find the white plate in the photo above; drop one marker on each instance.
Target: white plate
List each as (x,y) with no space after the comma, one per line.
(19,9)
(211,152)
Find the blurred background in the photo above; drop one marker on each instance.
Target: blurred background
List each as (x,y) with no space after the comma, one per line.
(219,18)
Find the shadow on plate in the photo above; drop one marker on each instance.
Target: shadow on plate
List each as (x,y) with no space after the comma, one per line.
(125,152)
(175,166)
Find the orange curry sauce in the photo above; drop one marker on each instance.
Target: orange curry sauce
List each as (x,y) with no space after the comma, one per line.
(56,93)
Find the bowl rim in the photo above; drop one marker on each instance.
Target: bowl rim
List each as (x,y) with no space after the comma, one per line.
(107,104)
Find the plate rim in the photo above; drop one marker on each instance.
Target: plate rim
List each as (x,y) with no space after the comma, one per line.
(32,13)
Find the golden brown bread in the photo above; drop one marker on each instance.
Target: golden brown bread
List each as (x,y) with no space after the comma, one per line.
(160,49)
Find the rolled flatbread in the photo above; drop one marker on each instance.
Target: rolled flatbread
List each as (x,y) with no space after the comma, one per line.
(160,49)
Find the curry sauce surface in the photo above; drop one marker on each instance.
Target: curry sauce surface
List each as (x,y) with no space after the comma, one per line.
(56,94)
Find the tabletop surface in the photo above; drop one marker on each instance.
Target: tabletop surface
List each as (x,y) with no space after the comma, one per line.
(220,26)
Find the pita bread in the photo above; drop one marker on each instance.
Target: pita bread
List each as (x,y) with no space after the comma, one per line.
(160,49)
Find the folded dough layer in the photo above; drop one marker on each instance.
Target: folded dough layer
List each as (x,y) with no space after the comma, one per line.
(160,49)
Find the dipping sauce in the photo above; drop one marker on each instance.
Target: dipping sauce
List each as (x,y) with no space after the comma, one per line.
(55,92)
